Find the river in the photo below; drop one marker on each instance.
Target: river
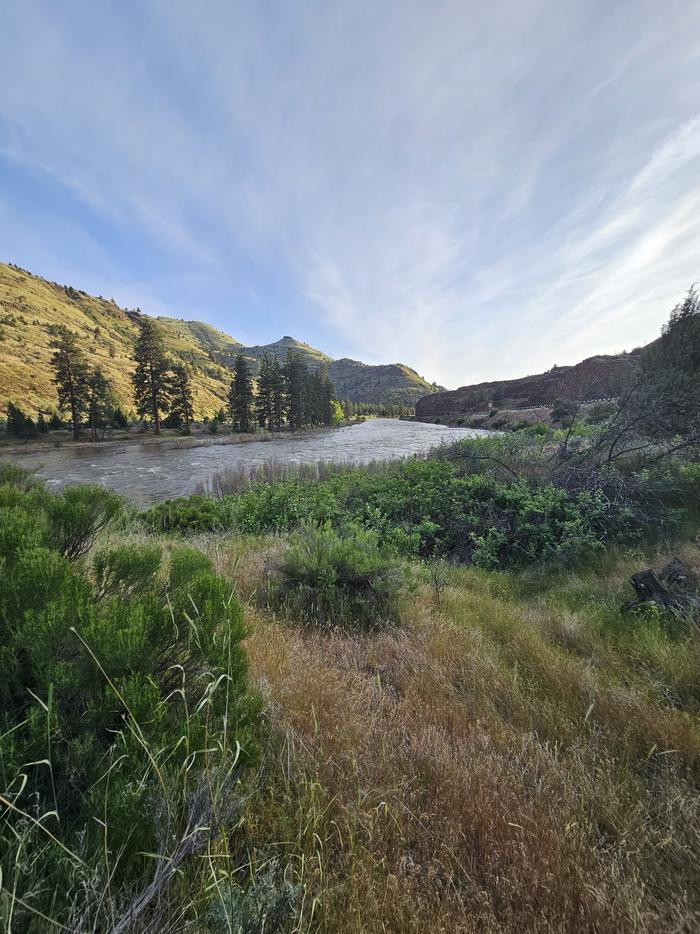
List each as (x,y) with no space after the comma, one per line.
(149,472)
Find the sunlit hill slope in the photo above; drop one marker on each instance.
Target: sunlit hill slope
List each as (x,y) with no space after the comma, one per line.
(31,307)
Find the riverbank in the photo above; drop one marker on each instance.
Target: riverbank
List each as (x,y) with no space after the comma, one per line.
(170,438)
(152,469)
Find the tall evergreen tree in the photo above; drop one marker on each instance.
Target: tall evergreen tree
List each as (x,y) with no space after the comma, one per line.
(181,401)
(18,422)
(669,396)
(100,401)
(295,381)
(264,397)
(326,395)
(311,399)
(71,376)
(278,395)
(150,379)
(240,397)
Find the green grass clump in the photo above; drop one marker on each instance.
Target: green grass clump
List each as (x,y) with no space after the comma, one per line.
(332,581)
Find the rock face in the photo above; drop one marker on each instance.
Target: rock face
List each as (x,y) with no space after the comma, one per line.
(595,378)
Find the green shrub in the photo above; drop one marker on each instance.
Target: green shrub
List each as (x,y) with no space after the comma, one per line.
(690,475)
(537,430)
(563,411)
(19,423)
(126,570)
(123,698)
(518,424)
(189,514)
(186,564)
(77,515)
(12,475)
(270,903)
(496,502)
(329,580)
(600,412)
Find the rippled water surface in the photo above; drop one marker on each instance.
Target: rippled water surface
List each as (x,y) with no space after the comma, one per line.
(149,472)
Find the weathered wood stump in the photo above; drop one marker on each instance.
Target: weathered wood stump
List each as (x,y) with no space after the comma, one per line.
(680,600)
(649,589)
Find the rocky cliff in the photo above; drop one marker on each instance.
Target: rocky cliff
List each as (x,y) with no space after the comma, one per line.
(594,378)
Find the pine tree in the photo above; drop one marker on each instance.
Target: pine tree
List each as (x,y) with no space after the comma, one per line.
(71,376)
(150,379)
(295,381)
(326,391)
(311,405)
(240,397)
(669,397)
(119,418)
(181,401)
(264,398)
(100,401)
(279,410)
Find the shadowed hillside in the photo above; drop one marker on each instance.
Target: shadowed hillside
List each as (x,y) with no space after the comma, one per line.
(593,378)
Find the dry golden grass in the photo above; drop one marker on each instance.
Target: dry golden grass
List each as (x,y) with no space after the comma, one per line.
(501,763)
(30,307)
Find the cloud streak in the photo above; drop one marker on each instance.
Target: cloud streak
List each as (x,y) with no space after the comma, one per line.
(478,191)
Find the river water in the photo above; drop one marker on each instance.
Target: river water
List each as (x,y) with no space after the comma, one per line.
(149,472)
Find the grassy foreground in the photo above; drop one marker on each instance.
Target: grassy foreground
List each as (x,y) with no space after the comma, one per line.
(516,757)
(511,753)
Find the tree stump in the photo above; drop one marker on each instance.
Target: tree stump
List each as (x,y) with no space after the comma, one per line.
(651,590)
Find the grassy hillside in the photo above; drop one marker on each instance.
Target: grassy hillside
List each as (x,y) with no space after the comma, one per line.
(361,382)
(31,307)
(393,382)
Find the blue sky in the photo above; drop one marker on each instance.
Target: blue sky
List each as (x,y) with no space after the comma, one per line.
(480,190)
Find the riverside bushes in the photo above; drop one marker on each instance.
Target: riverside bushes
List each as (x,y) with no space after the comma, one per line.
(467,505)
(125,710)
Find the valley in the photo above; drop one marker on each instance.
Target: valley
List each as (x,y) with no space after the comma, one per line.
(31,308)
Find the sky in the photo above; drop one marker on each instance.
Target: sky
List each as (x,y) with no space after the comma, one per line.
(480,190)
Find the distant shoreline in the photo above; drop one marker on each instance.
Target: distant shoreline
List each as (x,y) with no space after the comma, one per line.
(175,440)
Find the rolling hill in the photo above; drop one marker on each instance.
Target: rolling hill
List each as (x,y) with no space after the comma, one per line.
(31,307)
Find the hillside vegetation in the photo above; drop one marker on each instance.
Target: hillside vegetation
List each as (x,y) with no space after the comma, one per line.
(30,307)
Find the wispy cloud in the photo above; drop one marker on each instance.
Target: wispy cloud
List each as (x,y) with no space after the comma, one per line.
(478,190)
